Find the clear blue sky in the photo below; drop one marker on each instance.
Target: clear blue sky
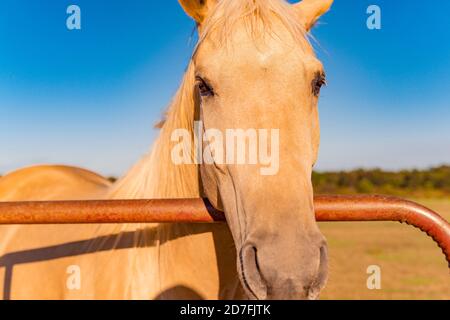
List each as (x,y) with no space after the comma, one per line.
(90,97)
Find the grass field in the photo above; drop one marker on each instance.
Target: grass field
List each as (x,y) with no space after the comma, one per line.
(412,265)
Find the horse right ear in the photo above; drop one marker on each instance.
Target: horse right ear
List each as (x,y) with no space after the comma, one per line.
(311,10)
(198,9)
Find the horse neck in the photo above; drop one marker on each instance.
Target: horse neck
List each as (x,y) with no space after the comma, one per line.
(156,175)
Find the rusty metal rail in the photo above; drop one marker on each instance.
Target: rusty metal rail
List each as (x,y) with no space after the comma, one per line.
(328,208)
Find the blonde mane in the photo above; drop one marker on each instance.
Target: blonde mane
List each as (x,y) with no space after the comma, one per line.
(257,15)
(155,176)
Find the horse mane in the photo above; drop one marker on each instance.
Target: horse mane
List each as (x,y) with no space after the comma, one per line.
(155,175)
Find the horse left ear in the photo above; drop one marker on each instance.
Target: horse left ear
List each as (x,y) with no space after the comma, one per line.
(198,9)
(311,10)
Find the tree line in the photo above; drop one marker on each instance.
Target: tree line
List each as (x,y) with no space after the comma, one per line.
(434,182)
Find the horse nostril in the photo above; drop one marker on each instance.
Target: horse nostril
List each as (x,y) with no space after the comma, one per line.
(323,267)
(322,274)
(251,273)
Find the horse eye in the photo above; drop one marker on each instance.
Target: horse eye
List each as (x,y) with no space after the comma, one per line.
(318,82)
(204,88)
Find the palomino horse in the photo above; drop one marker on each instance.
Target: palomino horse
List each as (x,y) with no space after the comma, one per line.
(252,68)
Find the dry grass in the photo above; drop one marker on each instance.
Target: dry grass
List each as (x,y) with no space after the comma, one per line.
(412,266)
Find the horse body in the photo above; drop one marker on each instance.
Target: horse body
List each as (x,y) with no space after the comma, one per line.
(52,182)
(131,261)
(172,261)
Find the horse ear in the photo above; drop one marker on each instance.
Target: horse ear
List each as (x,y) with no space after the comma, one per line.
(311,10)
(198,9)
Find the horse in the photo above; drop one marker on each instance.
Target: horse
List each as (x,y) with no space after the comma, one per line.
(253,67)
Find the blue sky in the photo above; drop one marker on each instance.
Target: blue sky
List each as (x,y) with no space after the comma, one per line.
(90,97)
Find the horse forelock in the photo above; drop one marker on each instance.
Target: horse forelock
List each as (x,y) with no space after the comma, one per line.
(258,15)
